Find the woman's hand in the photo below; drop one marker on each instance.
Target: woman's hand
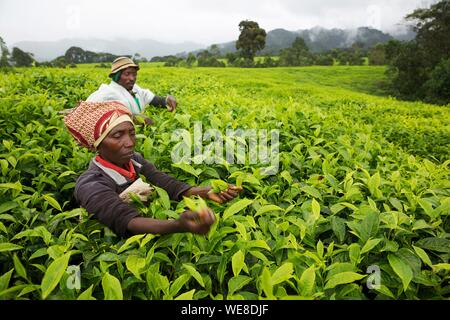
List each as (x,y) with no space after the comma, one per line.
(225,195)
(171,103)
(197,222)
(219,197)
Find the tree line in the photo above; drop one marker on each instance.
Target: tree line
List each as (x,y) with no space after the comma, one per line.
(72,57)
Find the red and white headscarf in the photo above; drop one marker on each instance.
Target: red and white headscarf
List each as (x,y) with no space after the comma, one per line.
(90,122)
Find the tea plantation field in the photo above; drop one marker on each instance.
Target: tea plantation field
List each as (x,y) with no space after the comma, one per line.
(358,209)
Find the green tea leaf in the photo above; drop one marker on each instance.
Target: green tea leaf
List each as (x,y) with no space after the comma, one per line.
(53,275)
(6,246)
(112,289)
(52,201)
(435,244)
(4,165)
(178,284)
(238,282)
(266,283)
(186,296)
(187,168)
(423,255)
(258,243)
(237,262)
(283,273)
(402,269)
(191,204)
(163,197)
(18,266)
(315,207)
(307,281)
(236,207)
(66,173)
(311,191)
(4,280)
(135,264)
(218,185)
(87,294)
(15,186)
(374,184)
(342,278)
(268,208)
(370,244)
(385,290)
(6,206)
(338,227)
(130,241)
(442,266)
(194,273)
(427,208)
(354,253)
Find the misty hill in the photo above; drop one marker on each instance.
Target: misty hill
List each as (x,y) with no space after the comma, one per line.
(49,50)
(319,39)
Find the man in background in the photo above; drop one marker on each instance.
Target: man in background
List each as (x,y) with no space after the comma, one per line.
(123,88)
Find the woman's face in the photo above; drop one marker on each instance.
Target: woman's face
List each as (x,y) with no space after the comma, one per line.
(118,146)
(128,78)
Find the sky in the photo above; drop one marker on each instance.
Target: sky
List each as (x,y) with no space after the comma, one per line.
(200,21)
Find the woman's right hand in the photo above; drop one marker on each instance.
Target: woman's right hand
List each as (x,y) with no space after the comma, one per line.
(197,222)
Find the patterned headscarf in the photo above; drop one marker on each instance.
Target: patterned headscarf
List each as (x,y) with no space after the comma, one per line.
(90,122)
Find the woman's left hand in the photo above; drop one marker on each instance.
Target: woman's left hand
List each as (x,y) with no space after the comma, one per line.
(225,195)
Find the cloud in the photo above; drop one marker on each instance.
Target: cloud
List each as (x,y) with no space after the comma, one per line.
(202,21)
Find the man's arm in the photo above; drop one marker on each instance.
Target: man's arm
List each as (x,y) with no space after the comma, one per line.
(169,102)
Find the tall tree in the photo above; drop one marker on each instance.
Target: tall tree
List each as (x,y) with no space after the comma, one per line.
(4,54)
(418,69)
(297,55)
(21,58)
(215,51)
(433,30)
(377,55)
(251,40)
(190,60)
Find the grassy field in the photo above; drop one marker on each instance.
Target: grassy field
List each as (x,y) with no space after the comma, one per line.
(362,184)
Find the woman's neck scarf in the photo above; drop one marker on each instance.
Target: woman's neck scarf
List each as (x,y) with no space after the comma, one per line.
(128,172)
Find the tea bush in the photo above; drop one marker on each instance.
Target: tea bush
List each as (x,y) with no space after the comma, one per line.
(359,207)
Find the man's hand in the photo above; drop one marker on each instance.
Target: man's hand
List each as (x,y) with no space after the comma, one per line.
(197,222)
(171,103)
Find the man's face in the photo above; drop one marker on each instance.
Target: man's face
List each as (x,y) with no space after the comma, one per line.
(128,78)
(118,146)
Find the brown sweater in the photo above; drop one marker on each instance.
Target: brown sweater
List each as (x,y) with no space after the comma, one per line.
(97,190)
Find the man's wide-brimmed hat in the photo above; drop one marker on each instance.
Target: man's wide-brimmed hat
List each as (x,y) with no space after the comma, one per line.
(122,63)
